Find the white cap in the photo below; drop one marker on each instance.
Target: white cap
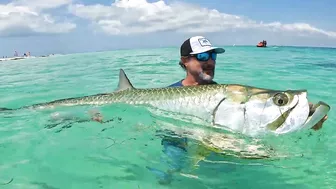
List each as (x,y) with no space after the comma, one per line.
(198,44)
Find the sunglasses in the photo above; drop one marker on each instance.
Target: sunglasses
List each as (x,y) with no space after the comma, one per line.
(205,56)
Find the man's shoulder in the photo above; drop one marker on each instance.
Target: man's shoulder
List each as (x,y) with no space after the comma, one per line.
(177,84)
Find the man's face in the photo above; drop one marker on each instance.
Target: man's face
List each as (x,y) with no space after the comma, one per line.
(201,69)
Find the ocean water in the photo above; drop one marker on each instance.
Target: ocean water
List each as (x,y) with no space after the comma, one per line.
(39,149)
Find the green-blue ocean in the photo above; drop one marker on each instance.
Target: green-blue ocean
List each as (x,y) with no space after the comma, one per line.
(38,150)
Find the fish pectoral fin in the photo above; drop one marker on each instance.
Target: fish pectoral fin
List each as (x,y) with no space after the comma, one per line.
(201,152)
(124,82)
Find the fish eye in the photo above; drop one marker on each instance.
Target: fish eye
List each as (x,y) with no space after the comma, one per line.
(280,99)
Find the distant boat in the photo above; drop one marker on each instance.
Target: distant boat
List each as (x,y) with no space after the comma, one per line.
(262,44)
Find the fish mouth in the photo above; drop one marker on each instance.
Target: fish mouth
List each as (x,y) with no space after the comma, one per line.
(317,112)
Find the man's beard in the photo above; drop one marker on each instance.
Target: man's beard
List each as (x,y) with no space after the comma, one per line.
(204,76)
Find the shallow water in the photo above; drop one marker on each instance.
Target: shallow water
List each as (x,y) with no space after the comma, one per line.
(76,153)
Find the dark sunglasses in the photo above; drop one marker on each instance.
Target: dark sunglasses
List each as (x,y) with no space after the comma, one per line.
(205,56)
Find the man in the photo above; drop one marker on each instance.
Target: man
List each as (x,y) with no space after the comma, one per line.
(198,59)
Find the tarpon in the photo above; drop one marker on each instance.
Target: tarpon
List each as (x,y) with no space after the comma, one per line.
(239,108)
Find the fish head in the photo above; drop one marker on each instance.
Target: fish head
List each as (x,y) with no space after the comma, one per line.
(277,111)
(255,111)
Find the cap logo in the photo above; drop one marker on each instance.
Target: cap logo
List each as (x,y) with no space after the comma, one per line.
(204,42)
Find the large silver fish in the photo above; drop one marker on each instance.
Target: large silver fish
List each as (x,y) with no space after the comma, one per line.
(244,109)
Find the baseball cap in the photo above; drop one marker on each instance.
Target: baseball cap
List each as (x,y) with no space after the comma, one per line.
(198,44)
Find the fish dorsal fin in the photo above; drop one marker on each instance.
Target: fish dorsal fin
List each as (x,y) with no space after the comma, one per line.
(124,82)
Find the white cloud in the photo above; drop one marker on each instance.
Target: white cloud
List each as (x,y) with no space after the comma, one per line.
(300,27)
(26,18)
(41,4)
(139,16)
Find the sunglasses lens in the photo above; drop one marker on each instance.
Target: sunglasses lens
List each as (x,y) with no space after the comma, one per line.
(203,56)
(206,55)
(214,56)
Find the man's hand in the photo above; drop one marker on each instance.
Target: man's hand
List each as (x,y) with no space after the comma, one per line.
(96,116)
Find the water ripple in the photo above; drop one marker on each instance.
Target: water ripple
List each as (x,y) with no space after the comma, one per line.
(115,154)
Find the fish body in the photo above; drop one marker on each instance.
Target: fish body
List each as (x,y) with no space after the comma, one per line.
(240,108)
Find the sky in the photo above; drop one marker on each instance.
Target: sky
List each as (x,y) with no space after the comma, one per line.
(72,26)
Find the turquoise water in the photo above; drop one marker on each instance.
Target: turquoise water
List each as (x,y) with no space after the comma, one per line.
(36,152)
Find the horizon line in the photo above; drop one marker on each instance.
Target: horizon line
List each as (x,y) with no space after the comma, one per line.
(162,47)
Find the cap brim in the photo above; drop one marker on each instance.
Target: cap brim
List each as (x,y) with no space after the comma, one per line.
(216,49)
